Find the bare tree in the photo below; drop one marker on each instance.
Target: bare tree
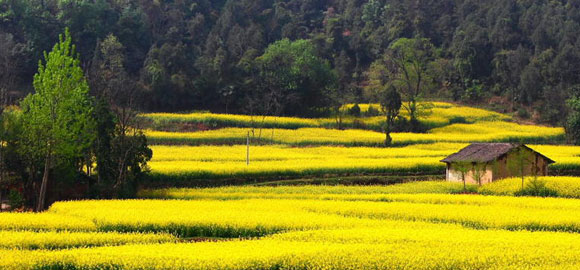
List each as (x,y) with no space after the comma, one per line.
(266,100)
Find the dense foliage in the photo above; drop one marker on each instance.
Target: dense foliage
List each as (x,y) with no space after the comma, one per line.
(57,117)
(199,54)
(54,142)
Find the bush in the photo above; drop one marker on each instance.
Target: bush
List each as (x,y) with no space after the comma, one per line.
(523,113)
(372,111)
(359,124)
(401,125)
(458,120)
(15,199)
(354,110)
(537,188)
(473,93)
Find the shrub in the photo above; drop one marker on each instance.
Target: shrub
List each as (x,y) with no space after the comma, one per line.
(359,124)
(354,110)
(458,120)
(372,111)
(523,113)
(15,199)
(537,188)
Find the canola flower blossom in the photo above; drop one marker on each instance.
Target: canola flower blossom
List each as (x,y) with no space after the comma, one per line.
(561,186)
(395,231)
(63,240)
(188,163)
(456,133)
(438,114)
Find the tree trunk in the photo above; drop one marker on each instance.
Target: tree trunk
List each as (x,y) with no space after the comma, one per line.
(388,139)
(43,186)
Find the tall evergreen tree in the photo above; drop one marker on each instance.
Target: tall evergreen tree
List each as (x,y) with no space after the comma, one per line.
(58,116)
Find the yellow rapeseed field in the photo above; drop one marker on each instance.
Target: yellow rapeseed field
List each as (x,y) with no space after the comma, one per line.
(40,222)
(439,114)
(253,217)
(436,114)
(418,225)
(176,163)
(391,231)
(65,239)
(234,120)
(562,186)
(184,163)
(309,192)
(479,132)
(395,246)
(295,147)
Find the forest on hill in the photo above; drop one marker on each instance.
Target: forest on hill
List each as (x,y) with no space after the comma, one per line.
(297,57)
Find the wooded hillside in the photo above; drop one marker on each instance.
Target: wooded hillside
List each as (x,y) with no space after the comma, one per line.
(201,54)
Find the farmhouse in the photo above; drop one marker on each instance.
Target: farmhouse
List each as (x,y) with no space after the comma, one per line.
(482,163)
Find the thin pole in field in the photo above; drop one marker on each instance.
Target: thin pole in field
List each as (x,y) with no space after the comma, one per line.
(248,149)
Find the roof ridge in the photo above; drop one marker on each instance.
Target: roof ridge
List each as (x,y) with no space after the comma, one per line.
(485,152)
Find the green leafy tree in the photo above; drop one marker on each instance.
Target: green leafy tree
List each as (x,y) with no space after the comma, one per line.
(405,65)
(408,63)
(479,170)
(391,106)
(573,120)
(518,161)
(120,150)
(463,167)
(58,116)
(292,72)
(343,90)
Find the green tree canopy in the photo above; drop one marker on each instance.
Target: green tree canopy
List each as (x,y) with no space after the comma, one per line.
(573,121)
(391,105)
(57,117)
(296,74)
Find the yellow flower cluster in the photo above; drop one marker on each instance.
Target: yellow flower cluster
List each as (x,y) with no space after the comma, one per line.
(479,132)
(234,120)
(562,186)
(396,246)
(191,218)
(41,222)
(230,161)
(442,113)
(253,217)
(65,239)
(397,231)
(436,114)
(308,192)
(189,162)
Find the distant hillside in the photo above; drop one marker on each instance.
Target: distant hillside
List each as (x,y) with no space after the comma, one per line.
(523,56)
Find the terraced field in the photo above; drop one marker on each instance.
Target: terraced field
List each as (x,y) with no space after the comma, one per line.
(416,225)
(286,147)
(309,227)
